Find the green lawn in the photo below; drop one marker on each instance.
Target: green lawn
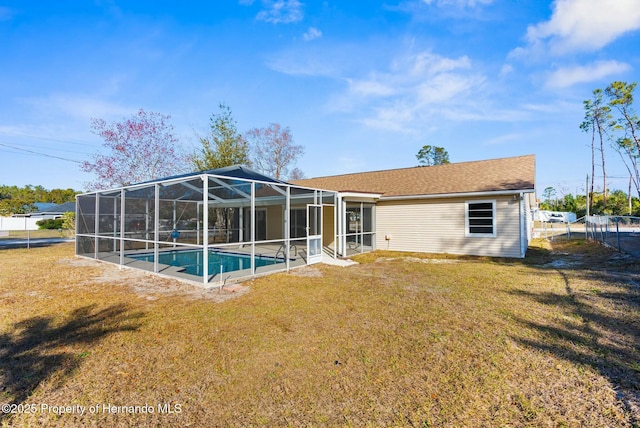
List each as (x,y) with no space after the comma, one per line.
(398,340)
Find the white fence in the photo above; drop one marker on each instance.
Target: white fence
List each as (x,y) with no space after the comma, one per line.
(19,223)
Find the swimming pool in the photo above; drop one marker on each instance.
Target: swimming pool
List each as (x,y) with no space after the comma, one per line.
(191,260)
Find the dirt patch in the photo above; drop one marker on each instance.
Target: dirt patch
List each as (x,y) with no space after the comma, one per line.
(565,260)
(151,286)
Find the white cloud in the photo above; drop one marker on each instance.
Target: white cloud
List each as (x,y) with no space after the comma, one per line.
(458,3)
(281,11)
(450,9)
(414,74)
(414,90)
(444,88)
(568,76)
(303,65)
(431,64)
(395,119)
(582,25)
(371,87)
(312,33)
(506,70)
(315,60)
(80,106)
(506,139)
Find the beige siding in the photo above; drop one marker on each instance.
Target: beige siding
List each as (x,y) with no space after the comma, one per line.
(328,234)
(438,226)
(275,222)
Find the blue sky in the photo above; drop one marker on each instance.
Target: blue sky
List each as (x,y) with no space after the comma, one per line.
(362,85)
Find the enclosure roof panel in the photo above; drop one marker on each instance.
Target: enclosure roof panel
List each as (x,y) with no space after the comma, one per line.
(234,171)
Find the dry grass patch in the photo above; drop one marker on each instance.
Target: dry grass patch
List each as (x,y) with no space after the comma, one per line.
(387,342)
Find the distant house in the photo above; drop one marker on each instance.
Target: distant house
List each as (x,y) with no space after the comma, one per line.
(47,210)
(475,208)
(58,210)
(29,221)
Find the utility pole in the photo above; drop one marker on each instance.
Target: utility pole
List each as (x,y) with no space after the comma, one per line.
(630,204)
(586,216)
(587,188)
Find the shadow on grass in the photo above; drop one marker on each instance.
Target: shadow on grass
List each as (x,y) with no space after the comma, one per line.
(38,348)
(599,329)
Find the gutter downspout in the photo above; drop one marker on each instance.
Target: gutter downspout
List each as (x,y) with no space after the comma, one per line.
(524,241)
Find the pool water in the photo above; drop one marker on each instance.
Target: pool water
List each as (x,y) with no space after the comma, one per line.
(191,261)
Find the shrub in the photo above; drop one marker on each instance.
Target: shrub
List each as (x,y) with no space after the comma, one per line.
(50,223)
(69,221)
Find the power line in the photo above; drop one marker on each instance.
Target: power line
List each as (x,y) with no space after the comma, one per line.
(39,153)
(47,148)
(79,143)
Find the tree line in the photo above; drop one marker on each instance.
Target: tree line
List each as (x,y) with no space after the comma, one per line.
(618,203)
(144,147)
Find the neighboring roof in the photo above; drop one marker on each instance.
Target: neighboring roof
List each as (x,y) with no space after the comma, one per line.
(506,174)
(61,209)
(43,206)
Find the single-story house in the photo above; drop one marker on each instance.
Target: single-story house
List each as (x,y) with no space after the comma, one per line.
(231,223)
(478,208)
(58,210)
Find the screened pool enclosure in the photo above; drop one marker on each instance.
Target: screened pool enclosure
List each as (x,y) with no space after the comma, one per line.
(212,226)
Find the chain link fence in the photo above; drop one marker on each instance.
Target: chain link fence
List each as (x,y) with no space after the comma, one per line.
(619,232)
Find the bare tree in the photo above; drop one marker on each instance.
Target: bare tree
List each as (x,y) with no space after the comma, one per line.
(597,119)
(621,99)
(274,151)
(140,148)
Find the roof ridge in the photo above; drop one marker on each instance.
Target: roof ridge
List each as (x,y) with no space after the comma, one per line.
(418,166)
(508,173)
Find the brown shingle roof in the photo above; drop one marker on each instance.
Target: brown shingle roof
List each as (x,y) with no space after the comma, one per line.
(516,173)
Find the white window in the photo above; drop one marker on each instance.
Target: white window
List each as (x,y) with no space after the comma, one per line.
(480,218)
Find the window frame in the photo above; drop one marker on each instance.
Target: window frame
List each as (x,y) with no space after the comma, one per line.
(467,218)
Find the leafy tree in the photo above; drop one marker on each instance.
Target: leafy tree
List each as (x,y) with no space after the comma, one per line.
(432,155)
(60,196)
(224,146)
(274,151)
(549,195)
(597,119)
(69,222)
(139,148)
(618,203)
(19,200)
(620,96)
(17,203)
(568,204)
